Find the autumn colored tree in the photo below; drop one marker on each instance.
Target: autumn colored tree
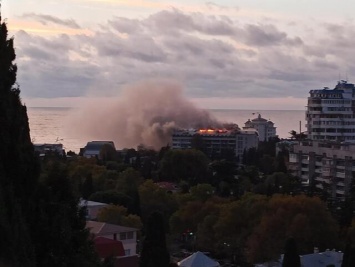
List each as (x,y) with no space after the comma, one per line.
(237,221)
(305,218)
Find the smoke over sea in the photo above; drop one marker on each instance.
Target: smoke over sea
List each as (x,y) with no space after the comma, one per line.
(144,113)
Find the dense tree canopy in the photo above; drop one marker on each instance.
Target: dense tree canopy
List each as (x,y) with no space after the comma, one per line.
(189,165)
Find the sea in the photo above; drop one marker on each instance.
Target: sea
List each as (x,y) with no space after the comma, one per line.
(48,124)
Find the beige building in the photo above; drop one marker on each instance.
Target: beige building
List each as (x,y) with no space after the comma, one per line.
(327,158)
(264,127)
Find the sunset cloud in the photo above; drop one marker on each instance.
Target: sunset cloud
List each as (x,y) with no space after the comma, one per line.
(216,50)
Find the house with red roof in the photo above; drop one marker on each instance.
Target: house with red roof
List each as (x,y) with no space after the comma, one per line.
(126,235)
(115,241)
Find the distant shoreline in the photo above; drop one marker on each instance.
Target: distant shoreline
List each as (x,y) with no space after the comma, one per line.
(212,109)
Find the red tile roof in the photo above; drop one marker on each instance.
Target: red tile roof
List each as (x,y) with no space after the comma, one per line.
(107,247)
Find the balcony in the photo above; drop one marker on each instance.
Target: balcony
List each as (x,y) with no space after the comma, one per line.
(340,175)
(340,192)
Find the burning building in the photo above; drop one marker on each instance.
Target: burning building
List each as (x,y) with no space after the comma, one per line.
(215,141)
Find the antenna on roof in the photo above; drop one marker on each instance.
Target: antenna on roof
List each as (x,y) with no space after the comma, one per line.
(59,139)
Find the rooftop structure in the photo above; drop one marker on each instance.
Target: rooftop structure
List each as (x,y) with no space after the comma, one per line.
(330,113)
(44,149)
(93,148)
(265,128)
(316,259)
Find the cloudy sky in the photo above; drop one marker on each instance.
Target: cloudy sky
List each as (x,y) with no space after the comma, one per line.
(242,54)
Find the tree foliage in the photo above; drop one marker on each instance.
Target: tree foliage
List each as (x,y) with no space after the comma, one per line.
(40,223)
(189,165)
(154,252)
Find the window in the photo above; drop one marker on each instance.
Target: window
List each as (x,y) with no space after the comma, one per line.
(123,236)
(129,235)
(126,235)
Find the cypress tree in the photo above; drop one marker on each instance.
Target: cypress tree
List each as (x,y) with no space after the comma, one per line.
(154,252)
(291,256)
(18,167)
(34,217)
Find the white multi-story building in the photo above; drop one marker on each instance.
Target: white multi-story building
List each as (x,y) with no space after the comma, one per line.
(217,140)
(331,113)
(327,158)
(265,128)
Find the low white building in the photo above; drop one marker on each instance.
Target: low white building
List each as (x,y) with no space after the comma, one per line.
(265,128)
(43,149)
(92,208)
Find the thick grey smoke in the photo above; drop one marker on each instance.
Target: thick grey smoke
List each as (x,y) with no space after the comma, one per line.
(145,113)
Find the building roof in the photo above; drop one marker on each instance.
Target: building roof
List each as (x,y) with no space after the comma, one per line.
(101,228)
(198,259)
(97,145)
(106,247)
(259,119)
(88,203)
(322,259)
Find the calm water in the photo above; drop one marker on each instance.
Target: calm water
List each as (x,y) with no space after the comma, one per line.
(48,124)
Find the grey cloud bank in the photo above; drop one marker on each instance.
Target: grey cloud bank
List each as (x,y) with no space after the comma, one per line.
(213,56)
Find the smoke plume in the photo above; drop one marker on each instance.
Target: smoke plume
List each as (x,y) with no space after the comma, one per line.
(145,113)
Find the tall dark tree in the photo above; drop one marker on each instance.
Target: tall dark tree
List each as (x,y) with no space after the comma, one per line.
(154,252)
(18,167)
(61,238)
(291,256)
(349,255)
(35,217)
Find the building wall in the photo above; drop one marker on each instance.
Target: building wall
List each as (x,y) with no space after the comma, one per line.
(265,128)
(329,165)
(330,113)
(237,141)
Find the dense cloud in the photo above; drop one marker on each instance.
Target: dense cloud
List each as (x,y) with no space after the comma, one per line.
(212,55)
(143,113)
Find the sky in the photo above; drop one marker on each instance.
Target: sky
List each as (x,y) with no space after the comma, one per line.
(227,54)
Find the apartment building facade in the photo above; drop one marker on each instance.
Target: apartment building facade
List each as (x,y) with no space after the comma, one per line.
(329,166)
(330,113)
(327,158)
(217,140)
